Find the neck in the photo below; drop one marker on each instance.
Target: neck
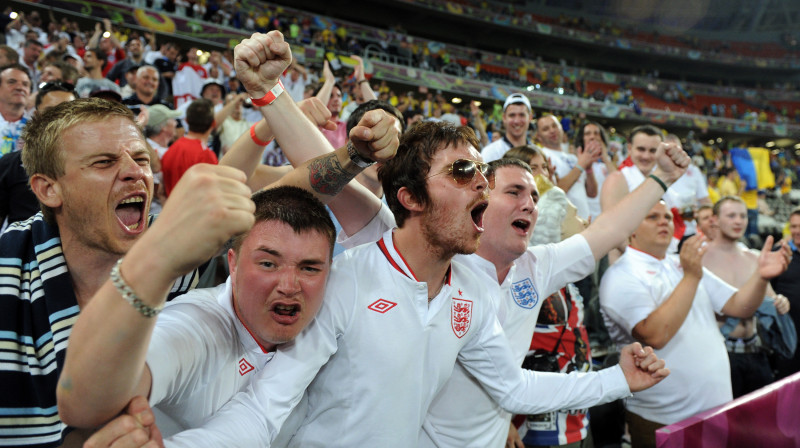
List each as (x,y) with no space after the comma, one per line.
(723,243)
(96,73)
(656,252)
(428,262)
(88,268)
(502,264)
(161,139)
(145,98)
(202,136)
(12,112)
(517,141)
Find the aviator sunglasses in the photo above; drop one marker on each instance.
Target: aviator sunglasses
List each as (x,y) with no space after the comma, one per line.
(463,171)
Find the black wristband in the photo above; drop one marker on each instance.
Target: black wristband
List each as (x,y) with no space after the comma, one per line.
(660,182)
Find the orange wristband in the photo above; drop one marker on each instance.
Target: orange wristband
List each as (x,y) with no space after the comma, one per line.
(270,97)
(255,138)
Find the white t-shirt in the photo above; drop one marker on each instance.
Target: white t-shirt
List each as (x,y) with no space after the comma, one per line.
(463,413)
(700,377)
(378,352)
(200,356)
(495,150)
(564,163)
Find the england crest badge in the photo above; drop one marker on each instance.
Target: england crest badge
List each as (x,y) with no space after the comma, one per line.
(461,316)
(525,293)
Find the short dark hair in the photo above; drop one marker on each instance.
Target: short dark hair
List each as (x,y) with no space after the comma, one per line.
(68,72)
(795,211)
(412,164)
(57,86)
(99,54)
(16,66)
(11,54)
(362,109)
(200,115)
(646,129)
(579,134)
(297,208)
(30,42)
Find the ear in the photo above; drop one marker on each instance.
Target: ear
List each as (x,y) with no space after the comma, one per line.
(48,191)
(408,200)
(232,264)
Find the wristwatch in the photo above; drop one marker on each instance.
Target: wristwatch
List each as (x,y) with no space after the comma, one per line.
(356,158)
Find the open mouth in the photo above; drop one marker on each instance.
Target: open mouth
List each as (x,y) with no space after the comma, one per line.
(522,224)
(130,213)
(477,214)
(286,314)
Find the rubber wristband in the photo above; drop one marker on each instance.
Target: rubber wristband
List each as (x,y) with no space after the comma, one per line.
(660,182)
(363,80)
(270,97)
(127,293)
(583,170)
(255,138)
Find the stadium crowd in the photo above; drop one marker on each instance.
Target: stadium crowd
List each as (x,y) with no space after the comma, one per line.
(502,238)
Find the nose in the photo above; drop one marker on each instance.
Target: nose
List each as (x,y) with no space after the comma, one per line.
(528,205)
(480,181)
(131,169)
(288,283)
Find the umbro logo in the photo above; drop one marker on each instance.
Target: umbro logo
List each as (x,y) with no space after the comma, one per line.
(245,367)
(381,306)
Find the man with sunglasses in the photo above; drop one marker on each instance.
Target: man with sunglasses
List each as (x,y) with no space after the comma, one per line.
(398,315)
(17,201)
(464,413)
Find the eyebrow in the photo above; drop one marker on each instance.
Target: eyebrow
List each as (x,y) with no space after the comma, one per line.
(305,261)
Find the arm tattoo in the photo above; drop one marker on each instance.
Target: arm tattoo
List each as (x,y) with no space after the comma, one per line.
(327,176)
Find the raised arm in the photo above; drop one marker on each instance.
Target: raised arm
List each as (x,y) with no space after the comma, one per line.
(615,224)
(259,62)
(361,80)
(771,264)
(209,205)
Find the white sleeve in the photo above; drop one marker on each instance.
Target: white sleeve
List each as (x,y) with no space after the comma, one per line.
(718,290)
(254,417)
(371,232)
(701,184)
(177,366)
(488,358)
(625,299)
(558,264)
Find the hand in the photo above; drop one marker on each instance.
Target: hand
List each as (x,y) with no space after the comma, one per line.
(260,60)
(772,264)
(672,162)
(641,367)
(317,112)
(587,156)
(376,136)
(98,27)
(327,74)
(691,255)
(107,24)
(358,70)
(782,304)
(136,427)
(513,440)
(143,117)
(209,205)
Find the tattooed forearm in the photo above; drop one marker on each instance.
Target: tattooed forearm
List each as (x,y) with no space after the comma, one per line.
(327,176)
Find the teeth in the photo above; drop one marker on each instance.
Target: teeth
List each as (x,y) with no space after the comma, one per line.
(133,226)
(132,200)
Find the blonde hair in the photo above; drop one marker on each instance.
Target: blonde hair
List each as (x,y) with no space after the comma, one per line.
(44,152)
